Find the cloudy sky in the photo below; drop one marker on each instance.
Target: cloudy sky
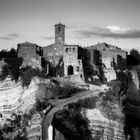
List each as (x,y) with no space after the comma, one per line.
(88,22)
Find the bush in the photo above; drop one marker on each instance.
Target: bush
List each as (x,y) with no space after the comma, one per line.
(65,91)
(88,103)
(15,129)
(5,72)
(42,104)
(72,123)
(13,63)
(27,74)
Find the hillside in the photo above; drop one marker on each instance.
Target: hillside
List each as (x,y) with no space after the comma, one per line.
(33,106)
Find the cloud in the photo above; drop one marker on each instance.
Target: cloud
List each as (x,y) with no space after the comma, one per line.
(110,32)
(10,36)
(71,27)
(5,38)
(47,38)
(13,35)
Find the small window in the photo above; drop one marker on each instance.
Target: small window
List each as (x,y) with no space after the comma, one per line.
(78,68)
(79,62)
(66,49)
(59,29)
(73,49)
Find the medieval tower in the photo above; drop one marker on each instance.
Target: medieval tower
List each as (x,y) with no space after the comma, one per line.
(60,34)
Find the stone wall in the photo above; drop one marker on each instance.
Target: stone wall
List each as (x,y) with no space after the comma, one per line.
(111,58)
(111,51)
(53,53)
(29,51)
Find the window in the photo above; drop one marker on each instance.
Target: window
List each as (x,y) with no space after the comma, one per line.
(78,68)
(59,29)
(73,49)
(66,49)
(79,62)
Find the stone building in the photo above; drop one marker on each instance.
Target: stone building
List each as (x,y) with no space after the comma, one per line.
(72,57)
(29,52)
(54,52)
(110,53)
(104,59)
(107,57)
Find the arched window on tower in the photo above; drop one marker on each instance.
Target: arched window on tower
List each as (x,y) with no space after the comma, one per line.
(59,29)
(66,49)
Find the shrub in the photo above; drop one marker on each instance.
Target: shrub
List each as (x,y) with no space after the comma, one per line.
(72,123)
(65,91)
(88,103)
(13,62)
(28,73)
(42,104)
(5,72)
(15,129)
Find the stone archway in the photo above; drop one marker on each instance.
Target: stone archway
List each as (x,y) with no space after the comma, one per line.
(70,70)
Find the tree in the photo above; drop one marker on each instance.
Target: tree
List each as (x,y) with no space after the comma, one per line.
(15,128)
(135,54)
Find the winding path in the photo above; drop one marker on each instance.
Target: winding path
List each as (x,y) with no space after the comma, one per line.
(58,105)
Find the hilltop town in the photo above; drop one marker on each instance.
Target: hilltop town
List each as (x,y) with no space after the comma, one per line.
(85,62)
(68,92)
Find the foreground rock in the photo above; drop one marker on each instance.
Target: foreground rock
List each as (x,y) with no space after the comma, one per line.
(19,100)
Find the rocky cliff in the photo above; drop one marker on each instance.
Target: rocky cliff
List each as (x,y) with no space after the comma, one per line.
(102,127)
(14,98)
(90,117)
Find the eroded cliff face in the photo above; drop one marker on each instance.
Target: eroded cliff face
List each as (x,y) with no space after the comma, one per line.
(106,120)
(14,98)
(135,78)
(103,128)
(104,117)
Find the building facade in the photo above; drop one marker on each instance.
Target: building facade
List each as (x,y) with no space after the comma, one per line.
(29,50)
(54,52)
(72,57)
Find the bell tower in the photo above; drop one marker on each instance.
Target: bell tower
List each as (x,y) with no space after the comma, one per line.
(60,34)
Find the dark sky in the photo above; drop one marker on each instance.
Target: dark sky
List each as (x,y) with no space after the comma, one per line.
(87,22)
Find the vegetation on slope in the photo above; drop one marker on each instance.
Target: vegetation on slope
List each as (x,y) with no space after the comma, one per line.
(13,62)
(16,127)
(131,100)
(56,89)
(72,123)
(131,105)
